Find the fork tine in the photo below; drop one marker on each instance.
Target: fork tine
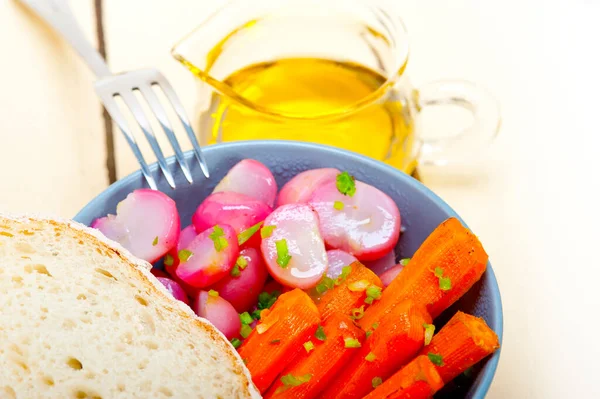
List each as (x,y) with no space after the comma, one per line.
(161,115)
(172,97)
(113,109)
(142,120)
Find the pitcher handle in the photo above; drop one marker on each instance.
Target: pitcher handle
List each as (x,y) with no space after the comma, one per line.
(467,144)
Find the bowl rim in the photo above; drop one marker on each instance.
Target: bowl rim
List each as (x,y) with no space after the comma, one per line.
(489,371)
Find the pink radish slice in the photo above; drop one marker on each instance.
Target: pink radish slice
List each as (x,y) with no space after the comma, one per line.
(304,184)
(251,178)
(147,224)
(219,312)
(390,274)
(367,227)
(337,260)
(186,236)
(206,265)
(175,289)
(237,210)
(297,226)
(381,265)
(242,291)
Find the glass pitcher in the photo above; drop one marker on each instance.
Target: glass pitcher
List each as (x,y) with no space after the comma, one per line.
(329,72)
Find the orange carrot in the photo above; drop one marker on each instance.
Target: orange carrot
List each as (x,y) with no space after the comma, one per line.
(279,336)
(321,360)
(443,269)
(419,379)
(397,339)
(461,343)
(349,293)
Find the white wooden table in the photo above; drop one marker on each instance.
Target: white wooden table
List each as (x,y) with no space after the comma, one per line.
(535,207)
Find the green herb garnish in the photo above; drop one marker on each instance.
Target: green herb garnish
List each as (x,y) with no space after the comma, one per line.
(429,330)
(155,242)
(338,205)
(439,272)
(248,233)
(283,257)
(357,313)
(370,357)
(266,300)
(236,342)
(404,261)
(320,334)
(256,314)
(213,293)
(245,330)
(351,343)
(368,334)
(184,255)
(218,237)
(245,318)
(373,294)
(345,184)
(375,325)
(346,270)
(235,271)
(436,359)
(266,231)
(169,260)
(241,262)
(377,381)
(325,284)
(445,283)
(289,380)
(308,346)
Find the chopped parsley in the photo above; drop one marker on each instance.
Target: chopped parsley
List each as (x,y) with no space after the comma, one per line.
(218,237)
(370,357)
(351,343)
(338,205)
(155,242)
(248,233)
(429,330)
(320,334)
(169,260)
(377,381)
(283,256)
(266,231)
(245,318)
(345,184)
(245,330)
(184,255)
(213,293)
(436,359)
(236,342)
(308,346)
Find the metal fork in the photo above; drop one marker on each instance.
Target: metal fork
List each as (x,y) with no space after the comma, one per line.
(108,86)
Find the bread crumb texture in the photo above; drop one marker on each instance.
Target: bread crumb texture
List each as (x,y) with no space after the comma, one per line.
(80,319)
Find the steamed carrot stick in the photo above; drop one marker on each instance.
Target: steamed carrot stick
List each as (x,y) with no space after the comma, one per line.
(419,379)
(443,269)
(393,343)
(461,343)
(279,336)
(346,295)
(321,360)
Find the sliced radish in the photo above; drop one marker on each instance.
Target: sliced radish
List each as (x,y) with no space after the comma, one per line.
(219,312)
(237,210)
(381,265)
(337,260)
(209,257)
(147,224)
(368,224)
(294,252)
(251,178)
(245,280)
(175,289)
(390,274)
(302,186)
(186,236)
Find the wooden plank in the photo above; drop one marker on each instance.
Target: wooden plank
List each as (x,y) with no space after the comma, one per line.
(51,131)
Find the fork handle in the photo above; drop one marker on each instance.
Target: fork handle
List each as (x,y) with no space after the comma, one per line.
(58,14)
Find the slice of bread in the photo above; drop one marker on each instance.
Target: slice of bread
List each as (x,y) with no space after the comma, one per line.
(81,318)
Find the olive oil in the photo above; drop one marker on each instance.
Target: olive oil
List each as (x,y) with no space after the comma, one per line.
(341,104)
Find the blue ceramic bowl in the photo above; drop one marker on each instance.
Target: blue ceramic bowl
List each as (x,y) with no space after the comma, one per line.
(420,208)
